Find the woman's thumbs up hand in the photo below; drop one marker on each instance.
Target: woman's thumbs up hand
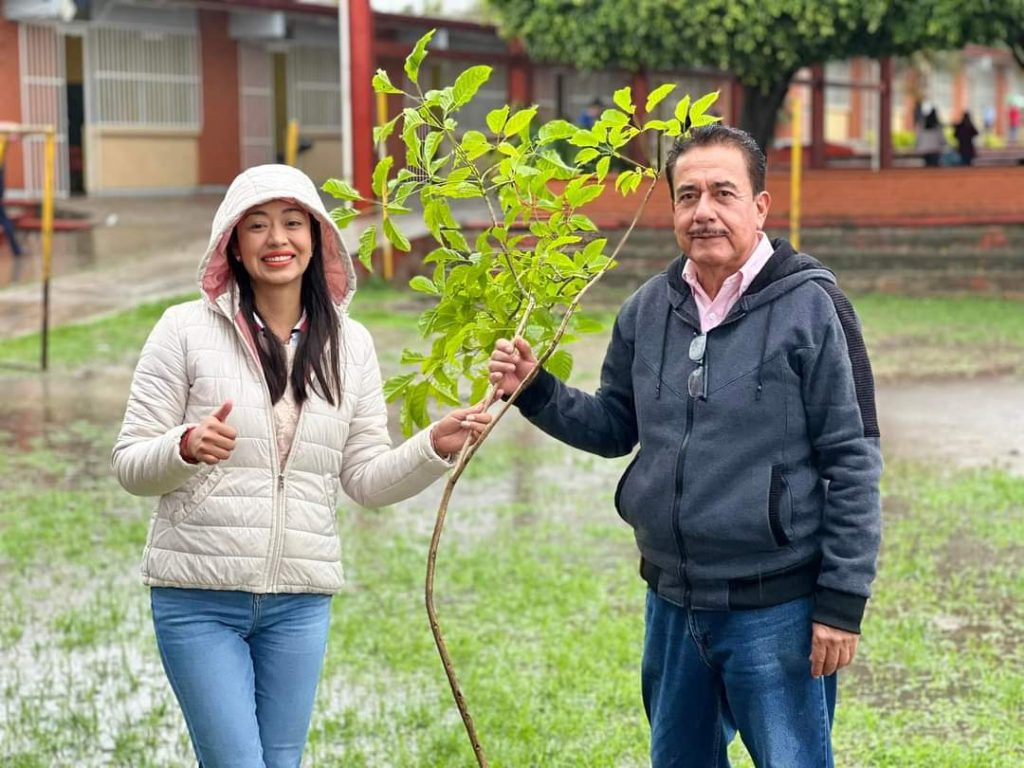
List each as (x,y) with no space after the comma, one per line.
(214,439)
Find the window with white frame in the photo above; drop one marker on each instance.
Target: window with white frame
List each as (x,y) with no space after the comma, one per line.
(314,91)
(837,96)
(142,77)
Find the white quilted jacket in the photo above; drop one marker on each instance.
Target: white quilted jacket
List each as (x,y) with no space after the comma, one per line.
(247,523)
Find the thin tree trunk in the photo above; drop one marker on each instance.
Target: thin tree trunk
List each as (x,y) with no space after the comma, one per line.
(761,111)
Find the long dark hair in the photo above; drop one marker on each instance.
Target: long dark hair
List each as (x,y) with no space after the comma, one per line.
(315,368)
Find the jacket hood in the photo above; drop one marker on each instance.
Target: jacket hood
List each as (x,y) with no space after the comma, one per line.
(259,185)
(785,270)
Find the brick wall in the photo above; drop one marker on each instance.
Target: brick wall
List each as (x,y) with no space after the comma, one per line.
(836,197)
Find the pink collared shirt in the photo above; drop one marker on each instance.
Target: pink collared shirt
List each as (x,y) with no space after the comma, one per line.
(713,311)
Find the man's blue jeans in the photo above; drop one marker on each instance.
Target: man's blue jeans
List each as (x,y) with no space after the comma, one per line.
(707,674)
(244,668)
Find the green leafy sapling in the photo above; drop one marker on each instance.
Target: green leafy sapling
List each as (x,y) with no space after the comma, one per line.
(524,273)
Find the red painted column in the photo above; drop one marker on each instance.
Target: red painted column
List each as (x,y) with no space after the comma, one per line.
(362,60)
(220,136)
(520,75)
(10,99)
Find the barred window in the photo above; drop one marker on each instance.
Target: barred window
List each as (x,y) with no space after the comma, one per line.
(314,93)
(144,78)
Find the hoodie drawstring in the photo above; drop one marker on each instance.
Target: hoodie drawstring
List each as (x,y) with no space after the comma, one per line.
(764,350)
(661,361)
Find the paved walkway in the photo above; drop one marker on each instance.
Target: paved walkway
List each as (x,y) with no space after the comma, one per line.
(141,249)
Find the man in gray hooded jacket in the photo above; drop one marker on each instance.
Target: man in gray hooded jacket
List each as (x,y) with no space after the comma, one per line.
(754,496)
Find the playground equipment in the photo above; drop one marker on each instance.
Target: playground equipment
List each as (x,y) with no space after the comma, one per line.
(49,132)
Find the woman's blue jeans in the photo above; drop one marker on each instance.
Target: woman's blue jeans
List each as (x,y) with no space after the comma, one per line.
(244,668)
(707,674)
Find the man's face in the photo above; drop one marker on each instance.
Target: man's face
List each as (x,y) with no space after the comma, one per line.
(716,215)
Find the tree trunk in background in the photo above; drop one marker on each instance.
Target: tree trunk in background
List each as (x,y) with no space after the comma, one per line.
(761,111)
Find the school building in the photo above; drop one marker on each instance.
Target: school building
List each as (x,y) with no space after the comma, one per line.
(169,96)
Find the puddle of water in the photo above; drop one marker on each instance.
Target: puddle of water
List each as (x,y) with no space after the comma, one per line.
(967,423)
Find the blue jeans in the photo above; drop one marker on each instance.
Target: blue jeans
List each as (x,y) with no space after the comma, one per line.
(708,674)
(244,668)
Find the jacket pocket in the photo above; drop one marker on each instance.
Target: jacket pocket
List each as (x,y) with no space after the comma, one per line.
(204,485)
(331,485)
(780,502)
(622,484)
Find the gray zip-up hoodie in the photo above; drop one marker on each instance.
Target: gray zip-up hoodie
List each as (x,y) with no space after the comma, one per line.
(765,491)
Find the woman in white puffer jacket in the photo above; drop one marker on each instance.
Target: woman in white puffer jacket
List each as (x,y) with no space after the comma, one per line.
(248,409)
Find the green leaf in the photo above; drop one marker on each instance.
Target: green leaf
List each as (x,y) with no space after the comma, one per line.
(582,196)
(658,95)
(586,154)
(392,233)
(341,190)
(433,141)
(381,132)
(468,83)
(480,387)
(444,392)
(555,130)
(602,167)
(593,249)
(380,175)
(583,138)
(497,118)
(613,117)
(414,59)
(396,386)
(623,99)
(701,105)
(520,121)
(682,109)
(560,364)
(343,216)
(587,324)
(367,244)
(417,400)
(410,356)
(382,83)
(423,284)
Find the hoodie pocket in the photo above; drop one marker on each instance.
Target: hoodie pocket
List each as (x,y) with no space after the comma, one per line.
(780,505)
(204,485)
(622,485)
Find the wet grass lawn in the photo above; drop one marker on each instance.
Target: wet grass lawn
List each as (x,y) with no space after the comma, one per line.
(537,591)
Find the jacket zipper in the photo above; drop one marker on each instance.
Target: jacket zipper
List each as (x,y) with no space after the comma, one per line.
(278,551)
(677,499)
(278,493)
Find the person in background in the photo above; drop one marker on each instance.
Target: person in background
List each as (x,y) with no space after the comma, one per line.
(5,220)
(1013,122)
(930,139)
(250,409)
(590,115)
(965,133)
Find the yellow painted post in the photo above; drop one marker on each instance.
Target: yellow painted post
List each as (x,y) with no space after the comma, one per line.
(795,169)
(291,143)
(388,250)
(49,157)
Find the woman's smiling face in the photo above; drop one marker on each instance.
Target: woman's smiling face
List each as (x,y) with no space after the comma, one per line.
(275,243)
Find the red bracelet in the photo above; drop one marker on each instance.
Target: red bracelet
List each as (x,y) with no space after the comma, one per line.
(183,447)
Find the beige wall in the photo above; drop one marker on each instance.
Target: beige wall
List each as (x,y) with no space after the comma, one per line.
(122,159)
(323,160)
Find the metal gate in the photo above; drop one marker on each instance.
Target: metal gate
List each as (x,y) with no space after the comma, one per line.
(43,102)
(256,97)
